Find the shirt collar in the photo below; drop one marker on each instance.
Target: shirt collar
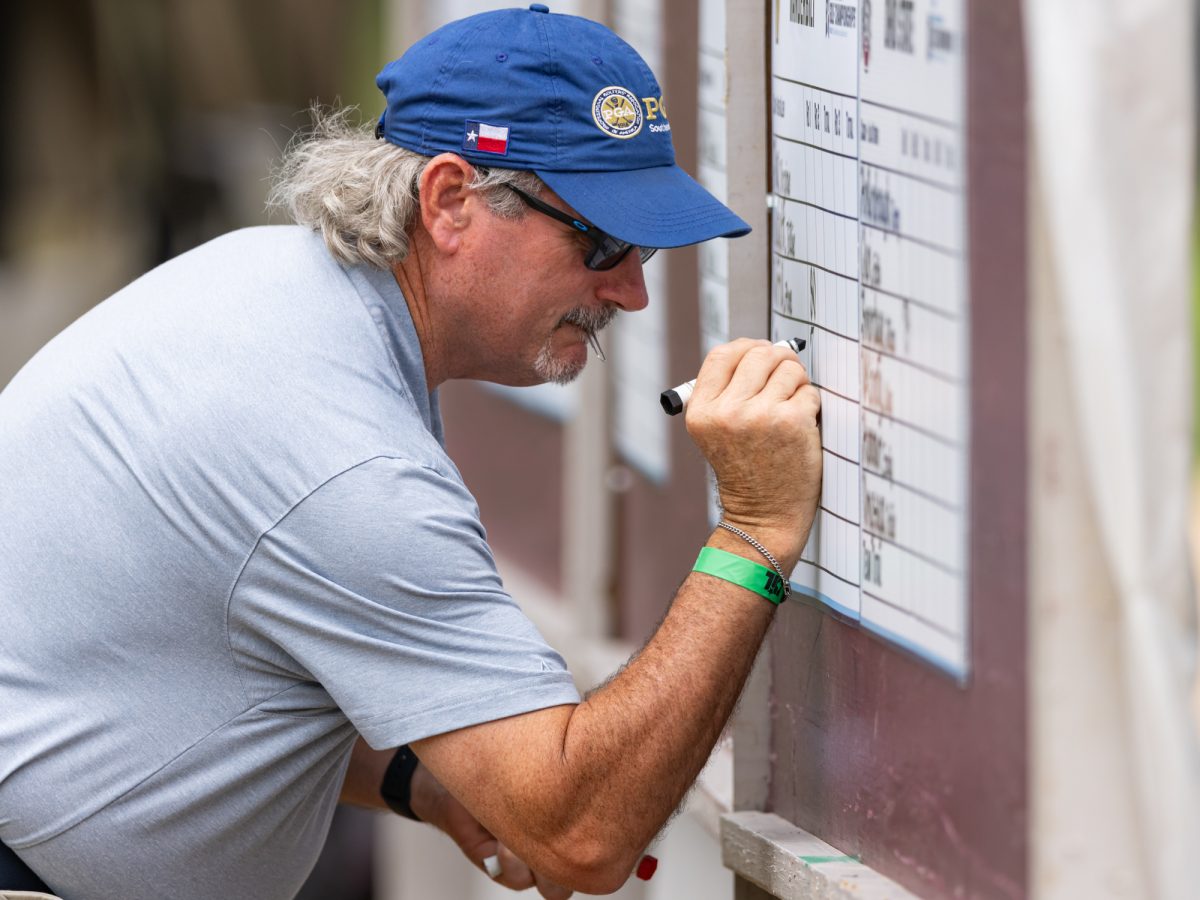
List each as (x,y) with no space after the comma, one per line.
(387,306)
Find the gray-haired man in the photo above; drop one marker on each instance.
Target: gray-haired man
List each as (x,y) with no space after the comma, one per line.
(236,556)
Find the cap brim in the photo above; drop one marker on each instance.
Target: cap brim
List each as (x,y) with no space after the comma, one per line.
(661,206)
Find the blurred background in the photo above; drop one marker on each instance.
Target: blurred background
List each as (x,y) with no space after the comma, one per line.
(138,129)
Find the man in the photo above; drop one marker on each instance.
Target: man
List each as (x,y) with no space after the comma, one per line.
(236,557)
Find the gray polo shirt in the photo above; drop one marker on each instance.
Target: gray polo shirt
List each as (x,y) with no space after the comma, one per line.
(231,541)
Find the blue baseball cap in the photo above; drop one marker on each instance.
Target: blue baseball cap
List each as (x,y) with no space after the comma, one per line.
(565,98)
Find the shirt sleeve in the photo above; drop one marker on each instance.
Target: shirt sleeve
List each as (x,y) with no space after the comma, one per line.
(380,587)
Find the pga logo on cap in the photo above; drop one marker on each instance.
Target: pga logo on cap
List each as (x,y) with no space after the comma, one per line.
(617,112)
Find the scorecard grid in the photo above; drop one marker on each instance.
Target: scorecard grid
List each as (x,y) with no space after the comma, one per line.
(869,265)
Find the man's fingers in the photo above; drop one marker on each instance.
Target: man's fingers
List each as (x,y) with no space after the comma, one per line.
(479,846)
(787,378)
(719,366)
(550,890)
(741,369)
(809,400)
(506,868)
(755,369)
(516,875)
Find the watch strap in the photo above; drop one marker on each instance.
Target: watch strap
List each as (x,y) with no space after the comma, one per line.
(396,789)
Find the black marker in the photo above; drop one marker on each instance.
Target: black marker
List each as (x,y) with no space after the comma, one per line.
(676,400)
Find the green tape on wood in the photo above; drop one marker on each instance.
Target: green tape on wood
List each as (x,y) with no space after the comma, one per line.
(818,860)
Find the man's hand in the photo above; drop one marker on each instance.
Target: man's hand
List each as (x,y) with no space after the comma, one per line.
(753,414)
(437,806)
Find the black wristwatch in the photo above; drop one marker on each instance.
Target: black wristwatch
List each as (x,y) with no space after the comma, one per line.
(396,789)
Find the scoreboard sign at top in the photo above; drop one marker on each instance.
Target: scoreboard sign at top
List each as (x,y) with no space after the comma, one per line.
(869,263)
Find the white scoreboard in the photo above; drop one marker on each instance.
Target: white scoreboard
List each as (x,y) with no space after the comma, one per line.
(869,263)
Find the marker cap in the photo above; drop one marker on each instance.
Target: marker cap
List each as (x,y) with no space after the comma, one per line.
(672,403)
(647,867)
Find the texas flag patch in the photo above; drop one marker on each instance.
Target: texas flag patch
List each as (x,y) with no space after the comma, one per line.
(486,138)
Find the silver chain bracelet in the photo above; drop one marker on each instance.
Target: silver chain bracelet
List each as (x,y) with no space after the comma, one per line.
(787,587)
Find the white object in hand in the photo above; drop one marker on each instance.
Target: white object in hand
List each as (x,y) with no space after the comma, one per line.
(492,864)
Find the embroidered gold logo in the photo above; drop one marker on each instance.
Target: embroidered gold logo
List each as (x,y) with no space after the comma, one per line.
(617,112)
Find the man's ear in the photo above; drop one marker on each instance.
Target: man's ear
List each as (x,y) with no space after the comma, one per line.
(447,203)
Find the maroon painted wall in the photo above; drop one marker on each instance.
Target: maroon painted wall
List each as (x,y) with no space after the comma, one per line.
(511,459)
(873,751)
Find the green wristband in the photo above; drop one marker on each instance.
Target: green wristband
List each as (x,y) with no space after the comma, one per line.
(740,571)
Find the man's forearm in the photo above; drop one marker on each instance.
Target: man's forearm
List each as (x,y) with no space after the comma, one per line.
(364,775)
(646,735)
(579,791)
(594,783)
(632,749)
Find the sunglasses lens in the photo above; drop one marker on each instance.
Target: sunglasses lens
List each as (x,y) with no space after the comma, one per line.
(610,251)
(607,253)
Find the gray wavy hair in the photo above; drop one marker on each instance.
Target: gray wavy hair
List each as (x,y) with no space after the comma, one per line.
(361,192)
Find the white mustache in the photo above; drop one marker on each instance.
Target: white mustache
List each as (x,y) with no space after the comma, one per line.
(591,320)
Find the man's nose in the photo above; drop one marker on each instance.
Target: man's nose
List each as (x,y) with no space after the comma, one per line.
(624,285)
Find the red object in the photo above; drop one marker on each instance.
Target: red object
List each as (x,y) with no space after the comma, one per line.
(647,867)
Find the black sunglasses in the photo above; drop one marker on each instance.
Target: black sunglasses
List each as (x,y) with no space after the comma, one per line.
(606,253)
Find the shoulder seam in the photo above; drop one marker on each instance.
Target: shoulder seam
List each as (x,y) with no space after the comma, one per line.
(237,668)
